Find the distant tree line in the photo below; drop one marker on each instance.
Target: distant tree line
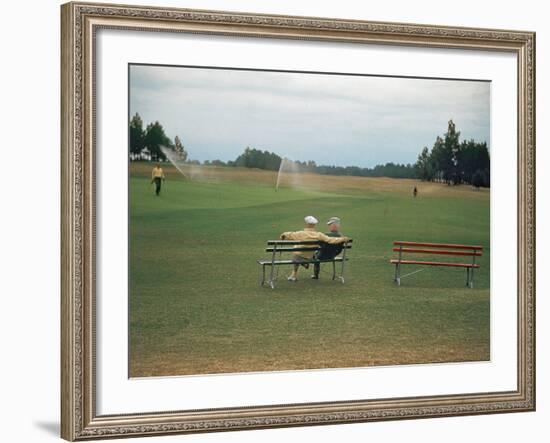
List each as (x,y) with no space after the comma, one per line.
(392,170)
(256,158)
(449,161)
(453,162)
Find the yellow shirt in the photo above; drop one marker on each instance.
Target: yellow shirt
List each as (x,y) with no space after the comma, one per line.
(311,234)
(157,173)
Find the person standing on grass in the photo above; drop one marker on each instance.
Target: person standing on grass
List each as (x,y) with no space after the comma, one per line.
(328,251)
(157,177)
(415,192)
(308,233)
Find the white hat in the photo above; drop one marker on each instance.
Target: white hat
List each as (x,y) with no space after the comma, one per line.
(335,220)
(311,220)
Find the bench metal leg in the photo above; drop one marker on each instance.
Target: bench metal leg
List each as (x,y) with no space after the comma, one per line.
(270,282)
(470,278)
(271,277)
(472,270)
(262,282)
(397,278)
(398,267)
(341,277)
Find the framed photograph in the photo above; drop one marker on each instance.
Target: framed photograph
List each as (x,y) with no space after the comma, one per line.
(284,221)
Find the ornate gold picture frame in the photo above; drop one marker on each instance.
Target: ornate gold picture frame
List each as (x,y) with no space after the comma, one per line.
(80,23)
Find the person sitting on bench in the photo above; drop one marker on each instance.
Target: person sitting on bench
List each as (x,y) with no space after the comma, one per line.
(308,233)
(328,251)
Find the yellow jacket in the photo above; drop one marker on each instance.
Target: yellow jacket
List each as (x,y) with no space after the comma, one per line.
(311,234)
(157,173)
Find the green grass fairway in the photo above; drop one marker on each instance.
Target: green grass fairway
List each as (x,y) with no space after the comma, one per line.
(196,305)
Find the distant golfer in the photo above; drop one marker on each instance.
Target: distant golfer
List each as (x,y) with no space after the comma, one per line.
(328,251)
(308,233)
(157,177)
(415,192)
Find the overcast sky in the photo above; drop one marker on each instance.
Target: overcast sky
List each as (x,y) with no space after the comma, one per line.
(332,119)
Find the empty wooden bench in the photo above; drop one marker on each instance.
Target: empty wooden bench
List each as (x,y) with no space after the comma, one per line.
(469,252)
(279,247)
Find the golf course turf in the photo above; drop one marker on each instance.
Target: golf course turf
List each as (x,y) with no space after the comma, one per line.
(196,306)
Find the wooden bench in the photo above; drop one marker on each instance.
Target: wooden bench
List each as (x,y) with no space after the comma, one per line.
(406,247)
(278,247)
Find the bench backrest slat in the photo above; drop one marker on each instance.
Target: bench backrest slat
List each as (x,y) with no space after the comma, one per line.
(438,245)
(297,242)
(297,249)
(476,253)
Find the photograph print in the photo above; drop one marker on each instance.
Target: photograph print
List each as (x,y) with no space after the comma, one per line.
(285,220)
